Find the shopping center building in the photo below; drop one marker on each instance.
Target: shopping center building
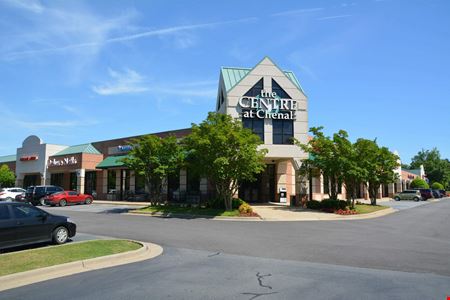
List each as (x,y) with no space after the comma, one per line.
(269,100)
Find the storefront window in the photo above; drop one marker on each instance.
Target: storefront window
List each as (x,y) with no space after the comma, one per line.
(255,125)
(193,182)
(279,90)
(283,131)
(73,181)
(90,180)
(139,184)
(111,181)
(256,89)
(57,179)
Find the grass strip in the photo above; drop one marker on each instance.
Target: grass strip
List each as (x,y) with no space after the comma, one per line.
(367,208)
(49,256)
(188,211)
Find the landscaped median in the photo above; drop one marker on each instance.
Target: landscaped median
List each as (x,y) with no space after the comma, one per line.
(342,207)
(35,265)
(242,209)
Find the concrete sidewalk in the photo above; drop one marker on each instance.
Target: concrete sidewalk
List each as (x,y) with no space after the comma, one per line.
(286,213)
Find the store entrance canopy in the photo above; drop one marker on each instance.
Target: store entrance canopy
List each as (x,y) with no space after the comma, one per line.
(112,162)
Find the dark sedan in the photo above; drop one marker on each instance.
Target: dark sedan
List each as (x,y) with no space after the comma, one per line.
(23,224)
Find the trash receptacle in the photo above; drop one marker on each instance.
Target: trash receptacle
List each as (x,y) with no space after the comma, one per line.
(282,194)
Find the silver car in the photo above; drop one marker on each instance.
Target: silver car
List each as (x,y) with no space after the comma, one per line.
(408,195)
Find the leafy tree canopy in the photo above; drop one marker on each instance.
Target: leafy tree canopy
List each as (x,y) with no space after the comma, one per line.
(419,183)
(437,169)
(7,177)
(226,153)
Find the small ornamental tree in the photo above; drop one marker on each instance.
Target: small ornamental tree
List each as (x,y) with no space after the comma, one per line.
(7,177)
(326,155)
(379,164)
(155,158)
(226,153)
(419,183)
(437,186)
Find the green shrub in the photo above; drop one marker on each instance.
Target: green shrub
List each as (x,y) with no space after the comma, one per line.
(313,204)
(236,203)
(419,183)
(437,186)
(334,204)
(245,208)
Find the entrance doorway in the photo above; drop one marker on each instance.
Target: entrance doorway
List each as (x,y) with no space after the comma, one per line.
(262,190)
(31,180)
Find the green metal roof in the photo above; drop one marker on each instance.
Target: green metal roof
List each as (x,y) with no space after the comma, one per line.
(232,76)
(7,158)
(83,148)
(414,171)
(112,162)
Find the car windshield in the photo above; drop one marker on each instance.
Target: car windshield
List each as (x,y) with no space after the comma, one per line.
(30,189)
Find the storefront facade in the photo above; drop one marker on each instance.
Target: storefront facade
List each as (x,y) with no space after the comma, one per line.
(268,100)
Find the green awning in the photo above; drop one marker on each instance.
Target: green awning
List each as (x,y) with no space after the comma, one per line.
(112,162)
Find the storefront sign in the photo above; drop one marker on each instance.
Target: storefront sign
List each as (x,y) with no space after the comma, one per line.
(64,161)
(119,149)
(28,157)
(268,105)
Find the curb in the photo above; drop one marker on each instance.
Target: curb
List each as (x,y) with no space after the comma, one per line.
(147,251)
(124,203)
(189,216)
(329,217)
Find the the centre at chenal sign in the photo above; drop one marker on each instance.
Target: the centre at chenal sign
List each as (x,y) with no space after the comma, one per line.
(268,105)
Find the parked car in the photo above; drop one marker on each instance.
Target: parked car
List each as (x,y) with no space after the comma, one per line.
(36,194)
(443,193)
(408,195)
(67,197)
(9,194)
(20,197)
(23,224)
(436,194)
(426,194)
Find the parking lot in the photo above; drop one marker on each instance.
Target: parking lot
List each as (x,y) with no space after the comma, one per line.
(407,204)
(92,208)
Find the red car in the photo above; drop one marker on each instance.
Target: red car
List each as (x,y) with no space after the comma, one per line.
(67,197)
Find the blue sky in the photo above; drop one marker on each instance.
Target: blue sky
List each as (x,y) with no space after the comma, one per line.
(73,71)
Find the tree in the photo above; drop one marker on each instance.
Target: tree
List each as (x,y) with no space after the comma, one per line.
(437,169)
(437,186)
(419,183)
(7,177)
(379,164)
(155,158)
(325,157)
(226,153)
(352,173)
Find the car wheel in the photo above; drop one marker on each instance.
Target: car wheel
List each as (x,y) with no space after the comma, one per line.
(9,199)
(42,201)
(62,202)
(397,198)
(88,201)
(60,235)
(416,199)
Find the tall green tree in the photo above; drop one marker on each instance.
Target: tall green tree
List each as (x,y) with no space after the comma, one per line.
(226,153)
(7,177)
(436,168)
(155,158)
(352,171)
(325,157)
(379,163)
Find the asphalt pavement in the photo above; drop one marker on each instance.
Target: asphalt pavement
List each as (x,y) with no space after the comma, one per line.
(404,255)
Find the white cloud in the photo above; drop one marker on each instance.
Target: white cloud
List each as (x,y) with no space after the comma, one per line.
(127,82)
(29,5)
(92,32)
(333,17)
(297,11)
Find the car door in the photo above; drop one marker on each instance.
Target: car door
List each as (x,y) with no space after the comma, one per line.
(30,224)
(7,227)
(72,197)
